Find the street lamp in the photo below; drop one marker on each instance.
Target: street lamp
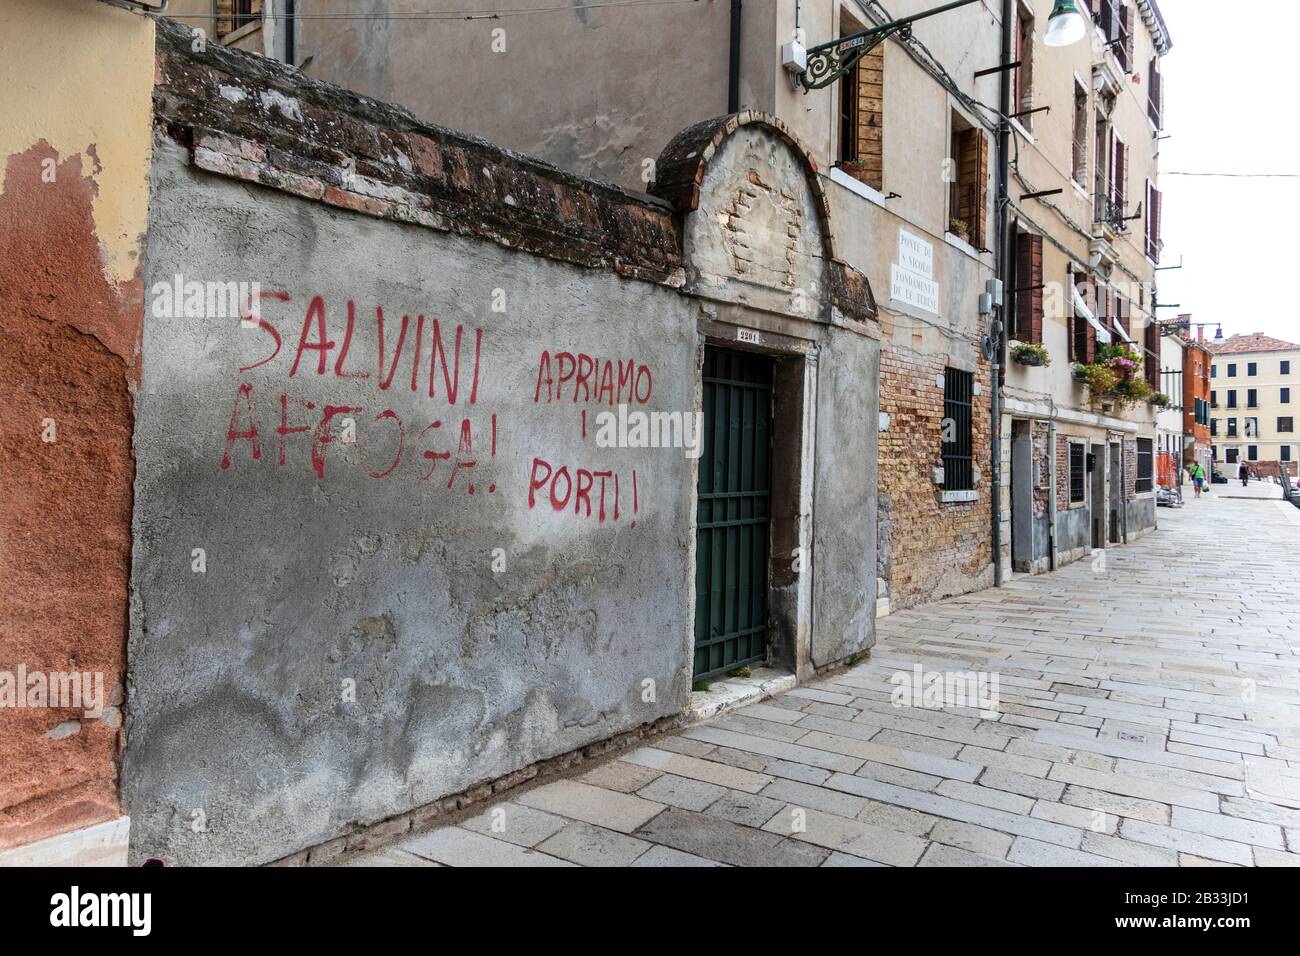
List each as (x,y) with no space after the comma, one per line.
(1066,24)
(822,65)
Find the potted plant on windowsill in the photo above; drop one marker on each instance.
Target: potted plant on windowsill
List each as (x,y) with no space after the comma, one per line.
(960,228)
(1160,400)
(1032,354)
(1080,372)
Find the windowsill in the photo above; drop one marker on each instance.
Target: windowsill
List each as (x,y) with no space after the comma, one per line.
(234,36)
(1080,189)
(1020,128)
(854,185)
(954,497)
(959,243)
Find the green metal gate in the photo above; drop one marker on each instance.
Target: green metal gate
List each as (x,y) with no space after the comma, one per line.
(732,529)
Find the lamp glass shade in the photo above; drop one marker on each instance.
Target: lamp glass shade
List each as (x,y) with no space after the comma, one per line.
(1066,25)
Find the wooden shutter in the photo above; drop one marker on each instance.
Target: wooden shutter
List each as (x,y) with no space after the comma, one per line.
(1029,294)
(1151,363)
(981,187)
(1127,45)
(870,124)
(225,11)
(1155,94)
(1121,177)
(1152,218)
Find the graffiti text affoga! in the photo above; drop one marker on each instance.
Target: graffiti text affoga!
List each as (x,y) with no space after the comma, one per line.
(420,354)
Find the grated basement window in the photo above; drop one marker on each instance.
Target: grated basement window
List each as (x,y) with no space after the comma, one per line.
(1078,473)
(958,420)
(1146,464)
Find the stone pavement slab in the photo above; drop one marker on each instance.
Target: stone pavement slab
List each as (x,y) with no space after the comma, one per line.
(1148,715)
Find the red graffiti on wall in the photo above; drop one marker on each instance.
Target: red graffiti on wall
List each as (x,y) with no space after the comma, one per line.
(444,363)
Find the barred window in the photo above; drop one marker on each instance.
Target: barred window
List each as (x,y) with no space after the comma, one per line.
(1146,463)
(1078,473)
(958,422)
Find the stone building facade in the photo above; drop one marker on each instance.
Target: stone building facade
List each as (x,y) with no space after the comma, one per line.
(1084,242)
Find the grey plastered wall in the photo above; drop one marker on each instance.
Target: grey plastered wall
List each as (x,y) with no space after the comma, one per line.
(242,744)
(844,496)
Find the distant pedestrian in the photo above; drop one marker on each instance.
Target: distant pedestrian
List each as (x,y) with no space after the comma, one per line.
(1244,474)
(1198,477)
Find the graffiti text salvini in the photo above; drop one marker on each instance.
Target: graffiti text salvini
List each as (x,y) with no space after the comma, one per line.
(438,361)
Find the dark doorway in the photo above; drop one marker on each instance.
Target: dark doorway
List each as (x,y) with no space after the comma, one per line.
(731,553)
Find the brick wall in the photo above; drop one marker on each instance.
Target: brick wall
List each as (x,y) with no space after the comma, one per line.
(928,549)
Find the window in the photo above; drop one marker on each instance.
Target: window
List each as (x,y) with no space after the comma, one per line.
(1214,399)
(1284,453)
(1250,427)
(1024,75)
(1285,396)
(234,15)
(1026,284)
(1232,370)
(1286,424)
(1214,427)
(1286,368)
(958,423)
(1155,94)
(1145,463)
(1214,371)
(862,105)
(1232,398)
(1083,340)
(967,195)
(1151,221)
(1232,455)
(1079,163)
(1078,473)
(1252,398)
(1151,362)
(1232,428)
(1252,453)
(1252,368)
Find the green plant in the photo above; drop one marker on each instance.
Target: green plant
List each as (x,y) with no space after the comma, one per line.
(959,227)
(1100,380)
(700,685)
(1031,353)
(1160,399)
(742,671)
(1132,390)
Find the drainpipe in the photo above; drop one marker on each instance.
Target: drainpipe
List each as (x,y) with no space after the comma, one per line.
(1123,488)
(999,329)
(290,25)
(1051,493)
(733,71)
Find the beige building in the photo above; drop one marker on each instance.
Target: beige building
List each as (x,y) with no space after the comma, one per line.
(1256,387)
(1085,213)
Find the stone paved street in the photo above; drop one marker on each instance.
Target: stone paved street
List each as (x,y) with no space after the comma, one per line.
(1149,715)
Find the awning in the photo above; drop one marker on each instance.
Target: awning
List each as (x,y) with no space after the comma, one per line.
(1081,308)
(1119,327)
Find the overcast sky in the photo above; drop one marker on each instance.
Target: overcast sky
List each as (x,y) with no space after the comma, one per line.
(1229,105)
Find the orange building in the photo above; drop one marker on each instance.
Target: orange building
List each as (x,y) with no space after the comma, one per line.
(1197,360)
